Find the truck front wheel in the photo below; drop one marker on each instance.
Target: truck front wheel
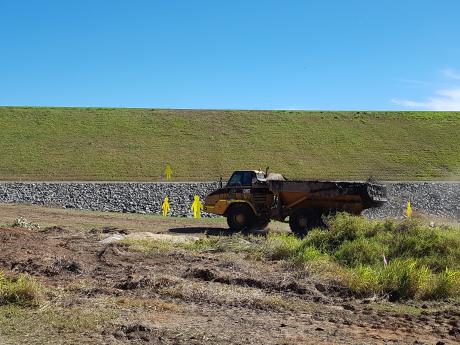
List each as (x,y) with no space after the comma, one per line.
(302,220)
(240,218)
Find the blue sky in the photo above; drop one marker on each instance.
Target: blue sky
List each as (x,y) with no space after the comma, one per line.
(330,55)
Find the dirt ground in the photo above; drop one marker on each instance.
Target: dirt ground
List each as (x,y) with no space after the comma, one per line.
(106,293)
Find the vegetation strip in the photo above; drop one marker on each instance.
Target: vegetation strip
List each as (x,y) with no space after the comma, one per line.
(403,260)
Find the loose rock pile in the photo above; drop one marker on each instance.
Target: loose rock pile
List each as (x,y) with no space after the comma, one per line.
(437,199)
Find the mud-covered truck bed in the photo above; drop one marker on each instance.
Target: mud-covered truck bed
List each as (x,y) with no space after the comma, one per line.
(251,199)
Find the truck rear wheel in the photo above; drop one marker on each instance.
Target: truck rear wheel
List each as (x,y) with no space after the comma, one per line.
(240,218)
(302,220)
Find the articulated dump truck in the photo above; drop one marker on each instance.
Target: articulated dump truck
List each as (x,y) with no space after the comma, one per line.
(252,198)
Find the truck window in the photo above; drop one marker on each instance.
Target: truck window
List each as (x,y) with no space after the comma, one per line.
(247,178)
(236,179)
(241,178)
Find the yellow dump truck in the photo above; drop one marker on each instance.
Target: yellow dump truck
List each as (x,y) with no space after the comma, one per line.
(251,198)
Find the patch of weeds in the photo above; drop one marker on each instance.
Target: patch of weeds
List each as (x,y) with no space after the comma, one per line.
(362,251)
(421,262)
(403,279)
(21,222)
(51,324)
(342,228)
(234,243)
(430,245)
(77,319)
(280,247)
(311,254)
(362,279)
(21,290)
(274,302)
(252,245)
(444,285)
(148,246)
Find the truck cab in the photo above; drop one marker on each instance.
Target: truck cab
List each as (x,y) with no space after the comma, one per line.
(246,178)
(245,200)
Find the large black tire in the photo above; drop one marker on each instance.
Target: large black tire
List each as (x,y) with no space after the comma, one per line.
(302,220)
(240,218)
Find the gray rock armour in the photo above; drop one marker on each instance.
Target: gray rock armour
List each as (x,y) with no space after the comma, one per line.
(432,198)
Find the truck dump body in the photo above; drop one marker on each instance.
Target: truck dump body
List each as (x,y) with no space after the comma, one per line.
(333,195)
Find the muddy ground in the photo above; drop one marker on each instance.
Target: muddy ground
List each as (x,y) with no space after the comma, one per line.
(96,293)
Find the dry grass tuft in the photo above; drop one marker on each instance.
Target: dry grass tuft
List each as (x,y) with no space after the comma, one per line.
(19,290)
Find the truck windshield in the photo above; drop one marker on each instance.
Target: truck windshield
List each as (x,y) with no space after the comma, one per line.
(241,178)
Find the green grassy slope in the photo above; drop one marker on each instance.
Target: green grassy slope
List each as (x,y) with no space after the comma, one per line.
(135,144)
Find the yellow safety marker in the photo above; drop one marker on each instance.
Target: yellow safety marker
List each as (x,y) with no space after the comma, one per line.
(168,172)
(197,206)
(165,207)
(409,210)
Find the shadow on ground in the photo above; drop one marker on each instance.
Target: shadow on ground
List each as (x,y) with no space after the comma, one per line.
(212,231)
(202,230)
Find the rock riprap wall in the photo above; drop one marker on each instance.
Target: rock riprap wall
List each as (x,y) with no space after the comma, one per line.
(437,198)
(440,199)
(117,197)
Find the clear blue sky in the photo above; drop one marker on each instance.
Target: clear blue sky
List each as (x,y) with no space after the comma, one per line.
(375,55)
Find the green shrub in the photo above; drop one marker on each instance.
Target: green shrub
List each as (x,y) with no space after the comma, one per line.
(444,285)
(362,251)
(423,262)
(403,278)
(362,279)
(22,290)
(430,245)
(308,253)
(281,247)
(319,239)
(343,227)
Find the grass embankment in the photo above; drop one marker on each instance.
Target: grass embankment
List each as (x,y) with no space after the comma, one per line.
(135,144)
(421,262)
